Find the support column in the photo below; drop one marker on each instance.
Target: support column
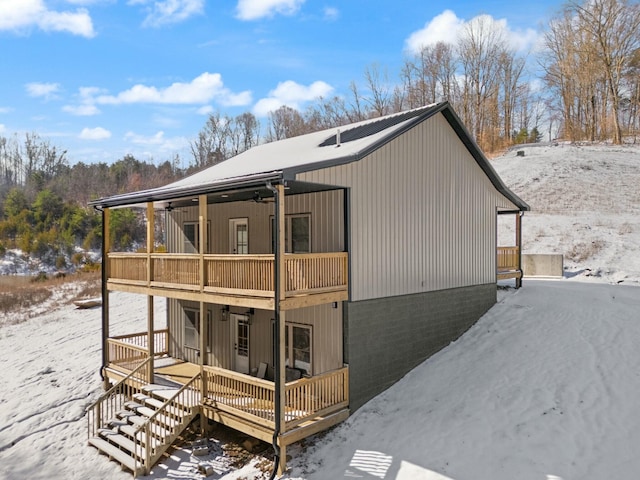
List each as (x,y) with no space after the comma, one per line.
(150,307)
(519,245)
(280,318)
(203,241)
(106,248)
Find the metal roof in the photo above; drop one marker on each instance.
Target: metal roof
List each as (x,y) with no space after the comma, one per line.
(282,160)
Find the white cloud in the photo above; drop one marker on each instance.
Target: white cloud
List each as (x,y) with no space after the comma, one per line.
(255,9)
(2,128)
(331,13)
(206,110)
(83,110)
(6,109)
(291,94)
(156,139)
(166,12)
(46,90)
(97,133)
(447,28)
(24,14)
(202,89)
(157,143)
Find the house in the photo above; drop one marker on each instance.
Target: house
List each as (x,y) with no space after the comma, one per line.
(302,278)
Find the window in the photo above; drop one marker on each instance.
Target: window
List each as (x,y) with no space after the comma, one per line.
(297,233)
(192,237)
(297,352)
(192,328)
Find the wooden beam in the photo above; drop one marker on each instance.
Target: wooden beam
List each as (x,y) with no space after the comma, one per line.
(151,347)
(150,308)
(203,240)
(106,248)
(519,245)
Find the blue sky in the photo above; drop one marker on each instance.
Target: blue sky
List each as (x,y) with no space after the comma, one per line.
(106,78)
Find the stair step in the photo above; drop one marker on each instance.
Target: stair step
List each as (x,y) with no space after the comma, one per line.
(161,419)
(120,426)
(156,404)
(114,452)
(123,442)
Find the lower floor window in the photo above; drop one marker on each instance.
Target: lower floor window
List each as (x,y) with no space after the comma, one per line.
(298,347)
(191,328)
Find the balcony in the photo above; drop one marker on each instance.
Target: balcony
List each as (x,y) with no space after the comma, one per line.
(242,280)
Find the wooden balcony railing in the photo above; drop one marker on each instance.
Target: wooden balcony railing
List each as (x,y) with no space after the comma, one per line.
(231,274)
(253,398)
(160,340)
(508,258)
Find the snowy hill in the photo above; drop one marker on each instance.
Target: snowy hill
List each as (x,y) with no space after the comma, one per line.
(543,387)
(585,204)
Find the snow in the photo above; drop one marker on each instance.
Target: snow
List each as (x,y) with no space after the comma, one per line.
(543,387)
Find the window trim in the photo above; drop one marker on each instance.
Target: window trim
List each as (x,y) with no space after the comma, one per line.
(288,231)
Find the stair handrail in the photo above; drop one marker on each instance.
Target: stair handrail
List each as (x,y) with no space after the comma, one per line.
(162,410)
(108,394)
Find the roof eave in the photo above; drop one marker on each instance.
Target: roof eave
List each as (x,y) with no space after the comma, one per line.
(164,194)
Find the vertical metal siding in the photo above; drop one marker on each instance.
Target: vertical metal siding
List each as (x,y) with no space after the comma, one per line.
(423,214)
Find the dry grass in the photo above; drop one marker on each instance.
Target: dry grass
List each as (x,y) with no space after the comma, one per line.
(19,295)
(582,251)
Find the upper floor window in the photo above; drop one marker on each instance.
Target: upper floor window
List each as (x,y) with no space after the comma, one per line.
(191,232)
(297,233)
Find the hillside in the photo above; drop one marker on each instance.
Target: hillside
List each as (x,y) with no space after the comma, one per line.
(585,204)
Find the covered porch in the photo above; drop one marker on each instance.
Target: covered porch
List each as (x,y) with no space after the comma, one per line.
(240,401)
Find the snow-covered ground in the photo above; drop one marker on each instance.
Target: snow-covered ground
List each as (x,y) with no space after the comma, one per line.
(543,387)
(585,204)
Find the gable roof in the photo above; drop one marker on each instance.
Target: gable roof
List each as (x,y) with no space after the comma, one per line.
(283,159)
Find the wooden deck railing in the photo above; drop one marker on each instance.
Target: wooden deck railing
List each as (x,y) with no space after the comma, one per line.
(160,340)
(508,258)
(231,274)
(253,398)
(125,355)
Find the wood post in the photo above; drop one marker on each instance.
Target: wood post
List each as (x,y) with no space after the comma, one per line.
(150,308)
(280,221)
(203,241)
(519,245)
(106,248)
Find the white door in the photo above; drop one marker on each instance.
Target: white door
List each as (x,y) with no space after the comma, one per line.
(240,343)
(239,236)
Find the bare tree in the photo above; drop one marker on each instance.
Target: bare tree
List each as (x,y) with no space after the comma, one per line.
(615,28)
(212,144)
(286,122)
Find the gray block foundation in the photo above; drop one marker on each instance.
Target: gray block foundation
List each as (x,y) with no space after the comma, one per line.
(387,337)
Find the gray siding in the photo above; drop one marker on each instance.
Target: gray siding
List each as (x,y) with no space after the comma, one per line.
(326,323)
(327,222)
(422,215)
(390,336)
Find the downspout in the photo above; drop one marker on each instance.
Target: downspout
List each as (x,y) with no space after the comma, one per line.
(103,293)
(276,363)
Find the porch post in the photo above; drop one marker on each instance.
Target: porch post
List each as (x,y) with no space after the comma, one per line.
(106,248)
(280,319)
(202,237)
(203,241)
(519,245)
(150,322)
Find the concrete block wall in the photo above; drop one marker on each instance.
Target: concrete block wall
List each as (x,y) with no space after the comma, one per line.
(387,337)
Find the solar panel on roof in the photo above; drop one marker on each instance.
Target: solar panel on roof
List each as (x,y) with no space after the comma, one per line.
(372,128)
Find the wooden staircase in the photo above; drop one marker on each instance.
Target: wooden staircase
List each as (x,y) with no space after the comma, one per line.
(135,422)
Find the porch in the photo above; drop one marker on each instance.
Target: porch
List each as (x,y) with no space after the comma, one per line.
(243,280)
(240,401)
(509,263)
